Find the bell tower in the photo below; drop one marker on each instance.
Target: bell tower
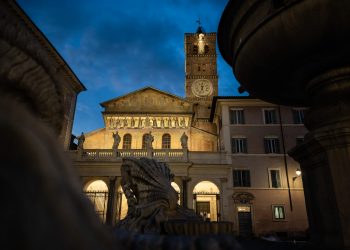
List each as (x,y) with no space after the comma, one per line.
(201,79)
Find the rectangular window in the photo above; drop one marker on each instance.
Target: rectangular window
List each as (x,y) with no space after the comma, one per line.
(278,213)
(298,116)
(275,178)
(236,116)
(272,145)
(270,116)
(241,178)
(239,145)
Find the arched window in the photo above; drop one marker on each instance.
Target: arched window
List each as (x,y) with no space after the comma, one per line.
(166,141)
(206,49)
(144,141)
(127,141)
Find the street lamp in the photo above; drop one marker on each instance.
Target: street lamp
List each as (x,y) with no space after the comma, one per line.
(298,173)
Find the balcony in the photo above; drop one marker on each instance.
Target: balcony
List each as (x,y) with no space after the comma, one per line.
(163,155)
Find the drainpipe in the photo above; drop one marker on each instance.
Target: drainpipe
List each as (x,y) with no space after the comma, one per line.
(285,159)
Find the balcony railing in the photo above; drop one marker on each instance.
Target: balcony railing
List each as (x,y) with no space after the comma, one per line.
(179,155)
(164,155)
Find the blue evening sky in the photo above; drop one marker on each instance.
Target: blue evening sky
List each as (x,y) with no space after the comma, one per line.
(118,46)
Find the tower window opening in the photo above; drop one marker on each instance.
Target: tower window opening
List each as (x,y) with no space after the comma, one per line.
(195,49)
(206,49)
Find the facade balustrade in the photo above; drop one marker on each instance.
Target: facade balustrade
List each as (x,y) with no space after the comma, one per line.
(164,155)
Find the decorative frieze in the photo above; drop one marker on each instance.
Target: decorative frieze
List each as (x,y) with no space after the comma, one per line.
(113,122)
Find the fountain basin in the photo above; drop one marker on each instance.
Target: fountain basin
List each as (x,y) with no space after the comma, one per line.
(276,47)
(196,228)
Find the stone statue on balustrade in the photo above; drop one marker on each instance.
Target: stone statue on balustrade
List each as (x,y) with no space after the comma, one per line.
(149,140)
(184,141)
(81,140)
(152,200)
(116,140)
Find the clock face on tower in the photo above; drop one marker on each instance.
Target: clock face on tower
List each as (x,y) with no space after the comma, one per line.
(202,88)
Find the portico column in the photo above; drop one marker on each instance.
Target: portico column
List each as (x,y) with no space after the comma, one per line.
(111,202)
(218,213)
(325,160)
(184,196)
(195,202)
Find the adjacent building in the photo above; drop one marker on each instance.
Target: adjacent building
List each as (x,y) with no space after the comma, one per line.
(267,193)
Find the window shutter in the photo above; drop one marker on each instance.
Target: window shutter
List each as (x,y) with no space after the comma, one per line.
(234,117)
(295,116)
(242,117)
(266,117)
(236,177)
(281,212)
(278,179)
(233,145)
(275,117)
(273,178)
(302,116)
(266,146)
(231,117)
(245,146)
(278,151)
(247,180)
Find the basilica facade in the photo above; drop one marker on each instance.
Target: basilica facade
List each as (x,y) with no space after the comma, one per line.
(228,154)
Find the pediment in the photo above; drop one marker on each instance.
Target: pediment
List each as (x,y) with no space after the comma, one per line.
(148,100)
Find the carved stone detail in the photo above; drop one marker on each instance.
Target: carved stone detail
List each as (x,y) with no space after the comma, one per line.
(151,198)
(147,121)
(243,197)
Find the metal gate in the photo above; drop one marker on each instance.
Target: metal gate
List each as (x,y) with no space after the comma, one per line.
(99,200)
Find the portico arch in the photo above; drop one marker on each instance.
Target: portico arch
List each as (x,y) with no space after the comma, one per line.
(122,204)
(97,192)
(206,197)
(177,189)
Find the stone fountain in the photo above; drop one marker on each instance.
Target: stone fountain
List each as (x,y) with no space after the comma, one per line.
(153,208)
(297,53)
